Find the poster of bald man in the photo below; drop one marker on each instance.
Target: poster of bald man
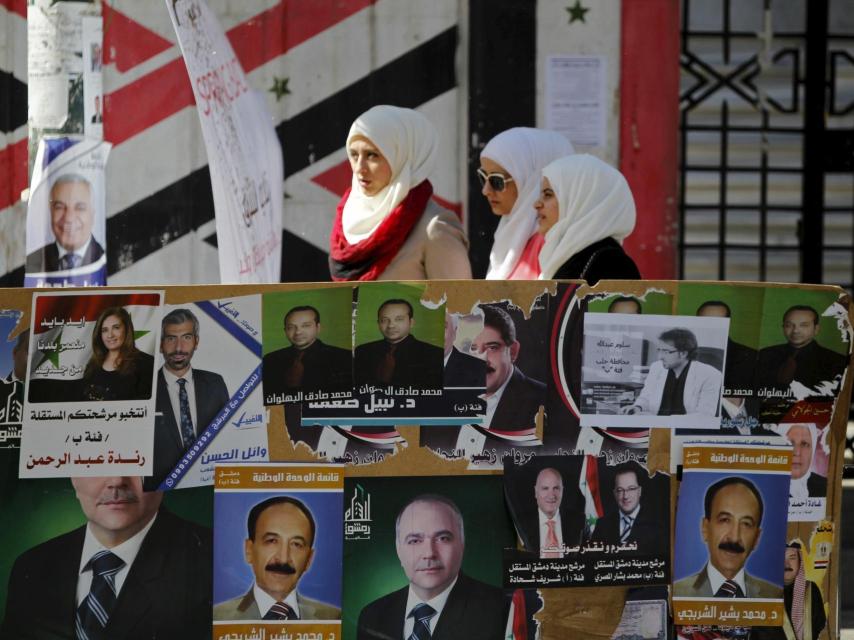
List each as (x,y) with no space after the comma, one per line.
(730,535)
(66,214)
(587,521)
(425,551)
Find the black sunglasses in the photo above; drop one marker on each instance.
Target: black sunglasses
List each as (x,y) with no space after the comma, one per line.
(497,181)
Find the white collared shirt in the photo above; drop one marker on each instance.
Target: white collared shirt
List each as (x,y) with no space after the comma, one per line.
(448,357)
(438,603)
(493,400)
(544,532)
(62,252)
(174,388)
(633,515)
(127,551)
(798,486)
(716,579)
(265,601)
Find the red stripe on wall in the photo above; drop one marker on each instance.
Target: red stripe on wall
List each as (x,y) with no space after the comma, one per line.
(128,43)
(260,39)
(15,6)
(13,163)
(649,128)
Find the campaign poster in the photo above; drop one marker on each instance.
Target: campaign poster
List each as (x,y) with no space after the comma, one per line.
(810,463)
(214,347)
(89,405)
(398,364)
(652,371)
(66,214)
(389,525)
(583,522)
(244,154)
(278,550)
(512,341)
(730,535)
(743,307)
(308,345)
(804,347)
(43,552)
(13,374)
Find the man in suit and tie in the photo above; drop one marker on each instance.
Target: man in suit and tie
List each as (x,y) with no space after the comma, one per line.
(134,571)
(731,529)
(308,364)
(461,369)
(556,528)
(399,359)
(279,548)
(805,482)
(631,522)
(187,398)
(440,602)
(71,218)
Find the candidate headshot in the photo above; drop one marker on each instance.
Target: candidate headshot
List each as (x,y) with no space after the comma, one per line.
(678,383)
(805,617)
(805,482)
(557,527)
(461,369)
(801,359)
(512,398)
(308,364)
(72,216)
(731,528)
(625,304)
(631,522)
(134,570)
(399,359)
(188,399)
(440,602)
(280,548)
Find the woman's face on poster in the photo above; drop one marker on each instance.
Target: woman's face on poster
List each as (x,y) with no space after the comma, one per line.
(113,333)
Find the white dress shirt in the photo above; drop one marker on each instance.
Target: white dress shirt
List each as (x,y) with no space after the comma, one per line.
(438,603)
(127,551)
(544,532)
(174,388)
(265,601)
(62,252)
(716,579)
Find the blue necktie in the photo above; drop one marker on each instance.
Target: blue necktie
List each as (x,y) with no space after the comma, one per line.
(188,434)
(70,261)
(422,614)
(93,614)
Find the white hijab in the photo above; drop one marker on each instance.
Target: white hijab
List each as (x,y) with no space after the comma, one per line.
(594,203)
(410,143)
(523,152)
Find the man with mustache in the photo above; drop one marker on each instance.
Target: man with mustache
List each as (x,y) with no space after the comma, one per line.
(440,602)
(188,399)
(133,571)
(279,548)
(399,359)
(805,617)
(731,528)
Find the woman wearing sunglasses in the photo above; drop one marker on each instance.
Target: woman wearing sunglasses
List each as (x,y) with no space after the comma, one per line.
(584,212)
(387,227)
(510,170)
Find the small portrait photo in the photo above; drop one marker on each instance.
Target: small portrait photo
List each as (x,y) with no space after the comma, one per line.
(652,370)
(399,340)
(277,555)
(730,535)
(810,459)
(417,542)
(802,594)
(95,56)
(465,367)
(650,303)
(802,353)
(307,343)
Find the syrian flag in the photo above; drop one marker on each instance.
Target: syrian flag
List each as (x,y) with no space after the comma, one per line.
(63,325)
(517,619)
(590,490)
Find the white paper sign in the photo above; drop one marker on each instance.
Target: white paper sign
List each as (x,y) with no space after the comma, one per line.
(576,103)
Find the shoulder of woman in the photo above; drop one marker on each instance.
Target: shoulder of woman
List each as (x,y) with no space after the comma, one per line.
(442,222)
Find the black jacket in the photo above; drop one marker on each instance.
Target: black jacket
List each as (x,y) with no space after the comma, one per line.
(602,260)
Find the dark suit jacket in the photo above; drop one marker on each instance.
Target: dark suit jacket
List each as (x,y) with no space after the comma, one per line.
(815,364)
(816,486)
(646,531)
(417,364)
(519,403)
(740,365)
(167,591)
(474,611)
(571,526)
(326,368)
(46,259)
(464,370)
(210,396)
(699,586)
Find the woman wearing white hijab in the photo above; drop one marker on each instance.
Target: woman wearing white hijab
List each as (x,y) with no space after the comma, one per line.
(386,226)
(585,211)
(510,171)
